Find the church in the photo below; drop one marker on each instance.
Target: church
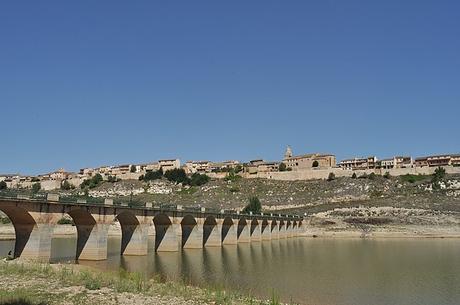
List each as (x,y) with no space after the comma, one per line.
(308,161)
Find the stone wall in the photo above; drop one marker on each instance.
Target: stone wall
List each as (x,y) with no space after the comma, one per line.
(324,173)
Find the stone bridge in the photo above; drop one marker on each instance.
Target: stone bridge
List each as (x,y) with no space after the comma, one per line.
(175,228)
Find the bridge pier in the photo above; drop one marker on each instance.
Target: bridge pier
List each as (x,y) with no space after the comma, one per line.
(33,242)
(243,231)
(192,233)
(255,230)
(135,239)
(166,231)
(212,232)
(274,230)
(229,232)
(92,242)
(266,233)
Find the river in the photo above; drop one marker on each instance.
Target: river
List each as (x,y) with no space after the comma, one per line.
(305,271)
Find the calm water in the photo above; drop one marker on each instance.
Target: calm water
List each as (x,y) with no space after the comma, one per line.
(307,271)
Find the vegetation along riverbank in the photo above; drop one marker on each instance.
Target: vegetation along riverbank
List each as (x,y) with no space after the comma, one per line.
(44,284)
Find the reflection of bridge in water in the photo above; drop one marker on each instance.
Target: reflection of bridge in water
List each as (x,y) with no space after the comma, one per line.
(175,228)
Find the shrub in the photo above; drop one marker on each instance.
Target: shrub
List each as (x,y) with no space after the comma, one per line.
(439,173)
(66,185)
(387,175)
(282,167)
(35,179)
(3,185)
(315,164)
(253,206)
(112,179)
(153,175)
(232,177)
(331,177)
(199,179)
(177,175)
(412,178)
(92,183)
(65,221)
(132,169)
(36,187)
(354,176)
(289,169)
(372,176)
(234,189)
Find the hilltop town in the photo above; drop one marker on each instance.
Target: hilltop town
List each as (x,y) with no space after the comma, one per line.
(290,168)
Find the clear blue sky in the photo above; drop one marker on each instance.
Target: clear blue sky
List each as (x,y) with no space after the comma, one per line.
(88,83)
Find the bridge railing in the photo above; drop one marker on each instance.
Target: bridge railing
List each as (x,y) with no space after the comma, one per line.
(72,199)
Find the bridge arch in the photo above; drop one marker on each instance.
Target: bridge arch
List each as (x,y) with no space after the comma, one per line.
(187,224)
(23,224)
(162,223)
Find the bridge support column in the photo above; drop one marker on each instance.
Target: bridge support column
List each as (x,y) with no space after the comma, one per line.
(256,233)
(192,236)
(266,230)
(33,241)
(282,232)
(92,241)
(212,235)
(135,239)
(229,234)
(166,238)
(244,234)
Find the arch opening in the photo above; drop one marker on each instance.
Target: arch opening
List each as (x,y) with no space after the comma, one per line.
(23,224)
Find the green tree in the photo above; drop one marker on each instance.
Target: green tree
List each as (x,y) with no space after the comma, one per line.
(331,177)
(177,175)
(438,176)
(92,183)
(153,175)
(354,176)
(3,185)
(372,176)
(66,185)
(253,206)
(439,173)
(199,179)
(133,169)
(36,187)
(231,176)
(282,167)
